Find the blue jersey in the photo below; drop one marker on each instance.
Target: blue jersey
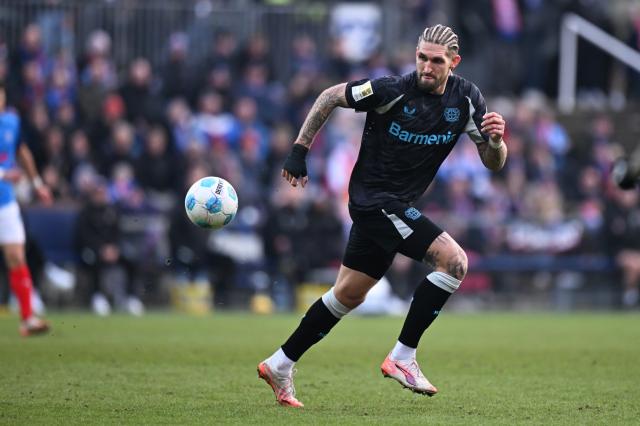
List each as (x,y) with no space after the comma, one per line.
(9,142)
(407,135)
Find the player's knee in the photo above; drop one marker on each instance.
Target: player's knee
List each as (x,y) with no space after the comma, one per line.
(14,258)
(454,262)
(349,297)
(457,264)
(335,306)
(445,255)
(450,259)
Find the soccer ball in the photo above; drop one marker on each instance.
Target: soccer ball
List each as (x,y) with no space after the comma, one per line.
(211,202)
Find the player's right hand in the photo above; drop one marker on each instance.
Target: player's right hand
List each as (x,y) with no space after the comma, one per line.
(44,195)
(294,169)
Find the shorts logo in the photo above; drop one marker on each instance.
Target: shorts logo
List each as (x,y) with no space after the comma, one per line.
(362,91)
(451,115)
(412,213)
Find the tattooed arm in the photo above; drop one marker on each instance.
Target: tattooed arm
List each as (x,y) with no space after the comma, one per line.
(493,158)
(323,106)
(493,153)
(294,169)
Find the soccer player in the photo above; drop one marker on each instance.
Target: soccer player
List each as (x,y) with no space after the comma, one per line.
(413,121)
(12,234)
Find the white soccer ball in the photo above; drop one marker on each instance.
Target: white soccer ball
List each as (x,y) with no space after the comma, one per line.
(211,202)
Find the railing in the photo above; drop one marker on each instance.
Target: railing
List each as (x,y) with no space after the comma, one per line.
(142,27)
(53,229)
(543,262)
(572,27)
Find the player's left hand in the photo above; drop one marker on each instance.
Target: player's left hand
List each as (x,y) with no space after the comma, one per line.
(493,124)
(12,175)
(294,169)
(44,194)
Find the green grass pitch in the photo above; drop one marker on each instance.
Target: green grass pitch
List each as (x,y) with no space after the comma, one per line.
(166,368)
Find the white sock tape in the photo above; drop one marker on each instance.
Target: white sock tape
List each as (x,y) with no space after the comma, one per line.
(331,302)
(444,281)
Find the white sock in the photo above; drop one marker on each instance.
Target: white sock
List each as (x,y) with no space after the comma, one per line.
(280,362)
(402,352)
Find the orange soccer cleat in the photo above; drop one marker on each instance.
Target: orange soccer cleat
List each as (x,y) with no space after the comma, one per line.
(408,374)
(282,385)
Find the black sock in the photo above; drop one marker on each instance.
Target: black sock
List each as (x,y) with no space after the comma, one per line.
(427,301)
(316,324)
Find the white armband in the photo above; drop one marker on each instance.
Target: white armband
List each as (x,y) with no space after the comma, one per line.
(2,173)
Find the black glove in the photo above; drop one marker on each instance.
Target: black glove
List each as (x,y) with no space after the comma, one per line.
(295,163)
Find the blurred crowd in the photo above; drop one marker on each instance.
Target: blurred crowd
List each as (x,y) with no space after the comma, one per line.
(520,41)
(119,148)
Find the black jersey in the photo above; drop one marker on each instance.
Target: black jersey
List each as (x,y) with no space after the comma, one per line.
(407,135)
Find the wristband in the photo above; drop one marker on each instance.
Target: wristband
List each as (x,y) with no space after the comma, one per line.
(295,162)
(37,182)
(299,151)
(494,145)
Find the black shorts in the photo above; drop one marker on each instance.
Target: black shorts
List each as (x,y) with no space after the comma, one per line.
(376,236)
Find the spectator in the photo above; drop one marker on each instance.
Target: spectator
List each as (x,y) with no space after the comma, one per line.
(181,124)
(284,234)
(56,150)
(256,52)
(623,241)
(61,88)
(98,244)
(34,131)
(255,85)
(177,77)
(121,148)
(305,59)
(93,90)
(158,168)
(28,54)
(212,124)
(85,116)
(224,54)
(246,119)
(139,95)
(98,51)
(190,249)
(80,154)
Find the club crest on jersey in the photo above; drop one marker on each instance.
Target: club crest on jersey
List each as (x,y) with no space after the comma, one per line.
(412,213)
(451,115)
(408,111)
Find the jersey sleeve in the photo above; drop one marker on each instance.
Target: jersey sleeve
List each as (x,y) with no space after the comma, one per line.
(367,95)
(477,108)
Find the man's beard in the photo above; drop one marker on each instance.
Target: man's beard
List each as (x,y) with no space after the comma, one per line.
(431,85)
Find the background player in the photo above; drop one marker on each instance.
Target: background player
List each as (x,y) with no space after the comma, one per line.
(12,234)
(413,122)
